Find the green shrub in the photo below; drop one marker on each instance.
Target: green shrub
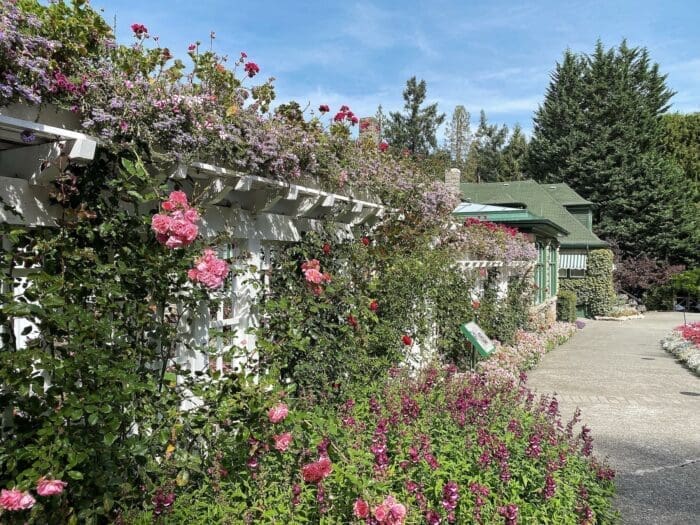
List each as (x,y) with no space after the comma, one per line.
(595,291)
(566,306)
(499,317)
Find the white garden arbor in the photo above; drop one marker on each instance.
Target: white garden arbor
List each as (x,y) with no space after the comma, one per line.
(254,214)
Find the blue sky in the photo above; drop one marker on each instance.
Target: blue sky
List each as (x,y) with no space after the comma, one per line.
(493,55)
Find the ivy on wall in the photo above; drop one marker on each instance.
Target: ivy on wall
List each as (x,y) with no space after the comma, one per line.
(595,291)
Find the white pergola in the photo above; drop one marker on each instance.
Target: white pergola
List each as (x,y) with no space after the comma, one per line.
(253,215)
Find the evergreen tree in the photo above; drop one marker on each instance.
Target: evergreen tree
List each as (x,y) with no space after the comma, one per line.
(681,140)
(415,129)
(600,130)
(459,136)
(515,155)
(487,154)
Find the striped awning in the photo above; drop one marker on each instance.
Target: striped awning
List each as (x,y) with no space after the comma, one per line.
(572,261)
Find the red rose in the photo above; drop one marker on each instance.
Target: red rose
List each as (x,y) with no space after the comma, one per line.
(383,146)
(326,248)
(360,509)
(344,109)
(139,29)
(352,321)
(317,471)
(244,54)
(340,116)
(407,340)
(251,68)
(374,306)
(354,120)
(323,108)
(365,241)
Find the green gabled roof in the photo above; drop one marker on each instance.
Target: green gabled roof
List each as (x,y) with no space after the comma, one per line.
(563,194)
(537,200)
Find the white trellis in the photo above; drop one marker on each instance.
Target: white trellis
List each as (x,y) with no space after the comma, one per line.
(252,214)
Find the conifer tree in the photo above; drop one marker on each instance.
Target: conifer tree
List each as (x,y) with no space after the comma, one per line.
(600,130)
(415,129)
(459,135)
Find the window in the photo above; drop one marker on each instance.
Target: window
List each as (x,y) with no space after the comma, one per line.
(552,271)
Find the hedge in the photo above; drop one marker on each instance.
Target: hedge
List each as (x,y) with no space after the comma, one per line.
(595,291)
(566,306)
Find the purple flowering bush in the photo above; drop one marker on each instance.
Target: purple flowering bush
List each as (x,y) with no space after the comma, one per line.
(446,447)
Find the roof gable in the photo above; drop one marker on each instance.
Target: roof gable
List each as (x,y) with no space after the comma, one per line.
(539,201)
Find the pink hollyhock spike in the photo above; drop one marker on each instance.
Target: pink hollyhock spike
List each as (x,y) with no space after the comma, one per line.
(49,487)
(277,413)
(15,499)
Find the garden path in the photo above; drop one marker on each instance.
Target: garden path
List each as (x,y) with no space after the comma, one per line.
(643,409)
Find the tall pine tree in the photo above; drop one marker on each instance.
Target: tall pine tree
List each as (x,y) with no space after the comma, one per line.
(600,130)
(459,135)
(415,129)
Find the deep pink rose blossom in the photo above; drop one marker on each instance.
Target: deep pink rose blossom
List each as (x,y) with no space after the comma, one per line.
(161,223)
(282,441)
(15,499)
(209,270)
(277,413)
(360,509)
(49,487)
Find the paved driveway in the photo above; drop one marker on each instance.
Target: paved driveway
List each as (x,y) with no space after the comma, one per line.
(643,408)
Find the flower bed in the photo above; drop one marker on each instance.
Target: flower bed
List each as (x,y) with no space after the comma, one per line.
(443,447)
(509,361)
(684,343)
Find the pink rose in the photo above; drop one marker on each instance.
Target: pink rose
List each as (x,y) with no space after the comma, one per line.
(168,206)
(49,487)
(15,499)
(313,276)
(179,198)
(277,413)
(282,441)
(317,471)
(381,512)
(161,223)
(174,242)
(209,270)
(360,509)
(192,215)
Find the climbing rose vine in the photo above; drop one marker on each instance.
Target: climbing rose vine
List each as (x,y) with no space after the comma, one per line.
(177,226)
(209,270)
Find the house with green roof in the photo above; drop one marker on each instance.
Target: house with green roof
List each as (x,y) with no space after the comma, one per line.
(556,202)
(559,220)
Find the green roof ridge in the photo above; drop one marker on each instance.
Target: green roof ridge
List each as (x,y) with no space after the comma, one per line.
(539,201)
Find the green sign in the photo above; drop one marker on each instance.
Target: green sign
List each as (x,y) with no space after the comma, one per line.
(478,338)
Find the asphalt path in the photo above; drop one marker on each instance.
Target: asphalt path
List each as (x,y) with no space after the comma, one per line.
(643,408)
